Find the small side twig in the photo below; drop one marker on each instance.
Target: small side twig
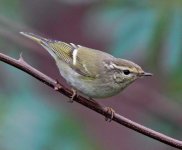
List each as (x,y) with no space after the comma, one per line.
(22,65)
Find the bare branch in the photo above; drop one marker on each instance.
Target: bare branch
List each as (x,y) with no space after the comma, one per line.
(22,65)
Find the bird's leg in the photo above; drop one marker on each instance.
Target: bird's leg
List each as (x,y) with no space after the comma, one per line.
(111,112)
(73,95)
(57,87)
(108,110)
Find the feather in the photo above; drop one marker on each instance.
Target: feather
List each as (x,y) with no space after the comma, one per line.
(81,59)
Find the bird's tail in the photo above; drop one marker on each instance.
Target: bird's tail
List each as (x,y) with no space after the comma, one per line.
(40,40)
(34,37)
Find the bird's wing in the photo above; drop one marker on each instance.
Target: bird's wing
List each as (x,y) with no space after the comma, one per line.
(83,60)
(78,58)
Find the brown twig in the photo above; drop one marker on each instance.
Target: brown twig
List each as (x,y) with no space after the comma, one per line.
(22,65)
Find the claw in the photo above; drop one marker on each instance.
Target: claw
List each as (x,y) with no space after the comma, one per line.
(57,87)
(73,96)
(111,112)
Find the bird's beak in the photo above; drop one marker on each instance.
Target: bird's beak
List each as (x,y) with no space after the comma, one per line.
(146,74)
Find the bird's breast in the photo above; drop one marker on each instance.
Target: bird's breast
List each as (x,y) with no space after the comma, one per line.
(94,88)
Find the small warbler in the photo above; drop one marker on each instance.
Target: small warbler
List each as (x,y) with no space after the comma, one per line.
(94,73)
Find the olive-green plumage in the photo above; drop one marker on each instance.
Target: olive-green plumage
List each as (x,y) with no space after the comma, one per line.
(92,72)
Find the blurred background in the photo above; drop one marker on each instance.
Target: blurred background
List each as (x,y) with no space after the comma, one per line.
(35,117)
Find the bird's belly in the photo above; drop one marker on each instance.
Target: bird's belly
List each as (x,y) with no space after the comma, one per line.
(91,88)
(95,89)
(102,90)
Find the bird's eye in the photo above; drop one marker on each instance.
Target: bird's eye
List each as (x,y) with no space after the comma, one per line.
(126,72)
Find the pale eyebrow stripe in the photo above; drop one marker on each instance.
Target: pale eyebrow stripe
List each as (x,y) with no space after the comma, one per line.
(119,67)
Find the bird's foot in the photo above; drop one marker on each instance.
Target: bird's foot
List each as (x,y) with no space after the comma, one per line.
(57,86)
(73,96)
(111,113)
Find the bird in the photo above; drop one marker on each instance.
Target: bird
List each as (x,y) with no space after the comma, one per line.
(92,72)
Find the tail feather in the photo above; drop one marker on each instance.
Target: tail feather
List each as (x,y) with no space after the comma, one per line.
(40,40)
(34,37)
